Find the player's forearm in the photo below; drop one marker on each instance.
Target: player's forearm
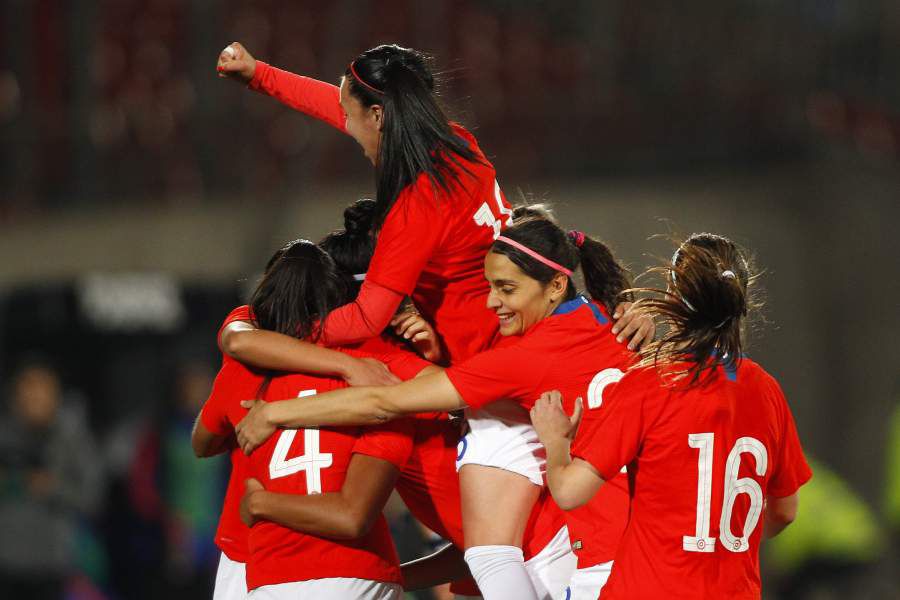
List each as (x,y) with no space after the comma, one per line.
(325,515)
(279,352)
(444,566)
(348,406)
(559,463)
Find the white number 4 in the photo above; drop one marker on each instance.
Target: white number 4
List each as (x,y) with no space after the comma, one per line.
(312,462)
(734,486)
(484,215)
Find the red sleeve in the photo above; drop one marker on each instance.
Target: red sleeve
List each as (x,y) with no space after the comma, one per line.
(790,469)
(214,414)
(364,318)
(409,238)
(315,98)
(610,436)
(392,442)
(241,313)
(502,373)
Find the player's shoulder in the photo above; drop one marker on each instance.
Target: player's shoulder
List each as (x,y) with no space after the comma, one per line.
(239,313)
(753,374)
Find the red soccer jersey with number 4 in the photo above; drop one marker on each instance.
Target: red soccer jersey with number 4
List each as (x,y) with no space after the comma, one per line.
(702,461)
(235,382)
(573,351)
(433,242)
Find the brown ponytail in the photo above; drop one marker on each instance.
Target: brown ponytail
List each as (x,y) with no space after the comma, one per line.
(703,307)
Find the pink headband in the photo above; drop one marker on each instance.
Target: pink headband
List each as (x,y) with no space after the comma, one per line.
(360,79)
(535,255)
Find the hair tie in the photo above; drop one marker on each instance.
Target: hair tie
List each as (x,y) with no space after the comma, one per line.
(362,81)
(577,237)
(542,259)
(728,273)
(359,277)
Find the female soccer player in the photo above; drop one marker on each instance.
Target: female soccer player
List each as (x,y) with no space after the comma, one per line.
(561,337)
(332,484)
(707,435)
(439,204)
(428,482)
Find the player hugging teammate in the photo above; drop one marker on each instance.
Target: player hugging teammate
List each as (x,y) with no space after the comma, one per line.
(684,448)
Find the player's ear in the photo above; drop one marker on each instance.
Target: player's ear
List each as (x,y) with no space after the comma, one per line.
(558,286)
(376,113)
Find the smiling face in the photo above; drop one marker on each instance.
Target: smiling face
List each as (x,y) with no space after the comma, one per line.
(518,300)
(363,123)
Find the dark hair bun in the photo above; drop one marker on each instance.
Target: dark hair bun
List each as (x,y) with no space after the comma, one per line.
(359,217)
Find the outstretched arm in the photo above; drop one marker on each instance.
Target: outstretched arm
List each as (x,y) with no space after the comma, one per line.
(344,515)
(315,98)
(348,406)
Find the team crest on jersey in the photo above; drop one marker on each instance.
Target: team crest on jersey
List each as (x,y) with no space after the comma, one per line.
(577,545)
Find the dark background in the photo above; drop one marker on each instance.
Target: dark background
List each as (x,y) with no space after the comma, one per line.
(140,196)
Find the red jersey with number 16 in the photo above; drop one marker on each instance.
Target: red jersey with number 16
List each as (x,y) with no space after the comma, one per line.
(433,242)
(702,459)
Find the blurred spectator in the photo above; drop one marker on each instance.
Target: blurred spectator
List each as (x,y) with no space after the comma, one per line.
(50,477)
(161,533)
(827,551)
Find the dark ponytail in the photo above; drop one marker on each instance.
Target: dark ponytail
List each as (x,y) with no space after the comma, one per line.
(416,136)
(604,278)
(353,246)
(297,291)
(707,297)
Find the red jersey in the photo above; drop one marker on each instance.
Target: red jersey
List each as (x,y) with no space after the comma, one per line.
(702,461)
(573,351)
(428,483)
(222,411)
(433,241)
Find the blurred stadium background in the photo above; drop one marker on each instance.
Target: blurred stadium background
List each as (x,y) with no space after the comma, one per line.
(140,196)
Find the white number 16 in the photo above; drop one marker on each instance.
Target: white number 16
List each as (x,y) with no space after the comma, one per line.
(734,486)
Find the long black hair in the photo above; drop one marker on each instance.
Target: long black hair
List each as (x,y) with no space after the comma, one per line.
(299,287)
(353,246)
(416,136)
(535,228)
(709,292)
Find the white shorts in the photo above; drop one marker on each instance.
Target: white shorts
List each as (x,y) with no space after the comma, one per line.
(552,568)
(330,588)
(502,436)
(231,580)
(586,583)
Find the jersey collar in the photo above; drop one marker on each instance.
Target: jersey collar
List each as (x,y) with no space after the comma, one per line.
(576,303)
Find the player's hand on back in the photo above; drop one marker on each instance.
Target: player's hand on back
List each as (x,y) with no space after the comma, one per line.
(635,327)
(236,63)
(369,371)
(255,428)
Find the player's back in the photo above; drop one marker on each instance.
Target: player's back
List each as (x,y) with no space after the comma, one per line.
(709,455)
(312,461)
